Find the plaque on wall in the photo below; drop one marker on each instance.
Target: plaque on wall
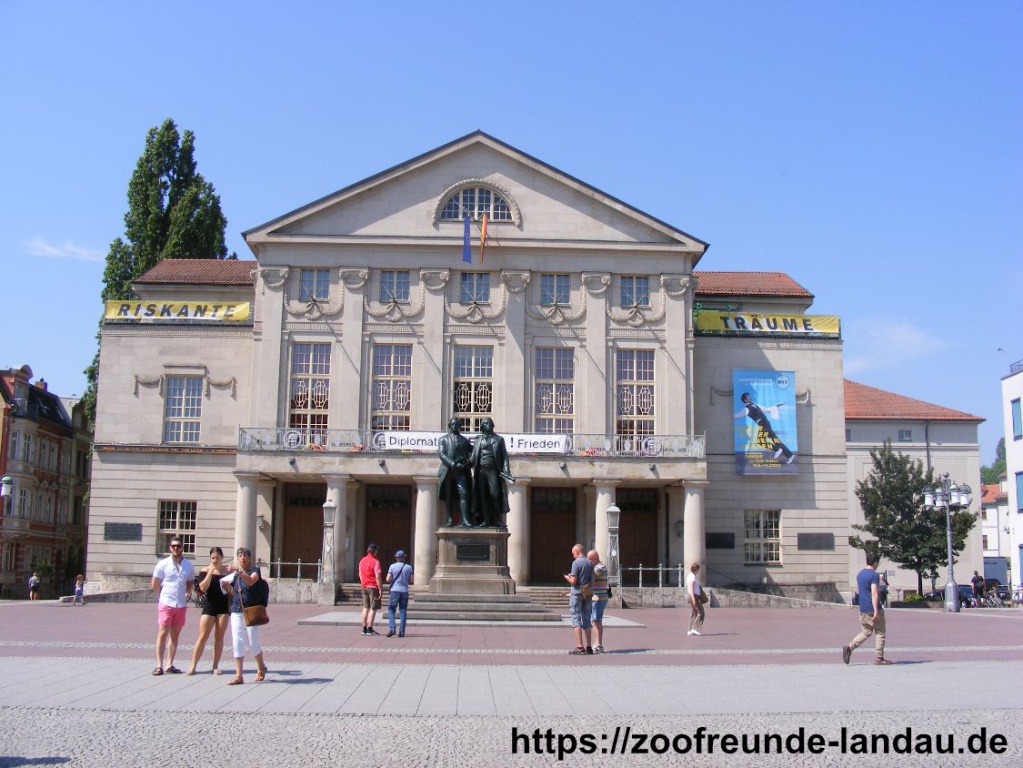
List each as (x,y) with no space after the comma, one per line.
(122,531)
(820,542)
(719,540)
(473,552)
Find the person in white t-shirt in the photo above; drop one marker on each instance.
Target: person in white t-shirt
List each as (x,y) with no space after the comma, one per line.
(694,592)
(173,578)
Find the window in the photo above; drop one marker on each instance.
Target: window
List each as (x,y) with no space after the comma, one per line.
(177,518)
(905,436)
(554,289)
(634,395)
(394,285)
(15,445)
(635,291)
(1019,491)
(475,288)
(983,541)
(310,387)
(476,201)
(314,284)
(392,386)
(182,409)
(554,391)
(848,435)
(763,537)
(473,386)
(29,452)
(1017,421)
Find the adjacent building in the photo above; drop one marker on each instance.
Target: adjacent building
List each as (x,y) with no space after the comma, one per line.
(472,282)
(1012,395)
(44,450)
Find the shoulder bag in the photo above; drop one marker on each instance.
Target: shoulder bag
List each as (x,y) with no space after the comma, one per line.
(255,612)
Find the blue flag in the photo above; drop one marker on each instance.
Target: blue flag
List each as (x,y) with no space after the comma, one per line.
(466,245)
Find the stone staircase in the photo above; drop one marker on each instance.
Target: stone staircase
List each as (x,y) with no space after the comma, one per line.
(551,596)
(519,607)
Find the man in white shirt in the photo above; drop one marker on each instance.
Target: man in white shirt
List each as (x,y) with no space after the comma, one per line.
(172,582)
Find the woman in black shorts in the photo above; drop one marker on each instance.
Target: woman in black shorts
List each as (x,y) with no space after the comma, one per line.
(215,611)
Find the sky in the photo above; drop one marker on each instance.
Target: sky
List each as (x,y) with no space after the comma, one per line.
(871,150)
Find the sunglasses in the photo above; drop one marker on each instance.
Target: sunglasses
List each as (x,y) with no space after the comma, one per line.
(175,546)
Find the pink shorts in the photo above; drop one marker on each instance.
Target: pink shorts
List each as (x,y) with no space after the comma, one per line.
(171,617)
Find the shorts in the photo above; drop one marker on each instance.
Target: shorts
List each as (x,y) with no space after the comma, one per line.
(171,617)
(580,609)
(598,610)
(371,598)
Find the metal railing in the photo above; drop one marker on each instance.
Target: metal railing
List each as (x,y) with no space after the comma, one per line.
(291,440)
(276,569)
(661,575)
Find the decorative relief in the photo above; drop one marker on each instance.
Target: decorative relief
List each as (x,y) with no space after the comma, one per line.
(546,331)
(556,315)
(232,383)
(497,331)
(353,279)
(675,285)
(273,277)
(596,283)
(517,280)
(397,329)
(148,382)
(434,279)
(394,311)
(647,334)
(476,312)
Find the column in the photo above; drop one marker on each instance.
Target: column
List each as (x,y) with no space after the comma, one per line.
(426,531)
(676,527)
(265,489)
(337,487)
(245,511)
(695,542)
(605,498)
(518,531)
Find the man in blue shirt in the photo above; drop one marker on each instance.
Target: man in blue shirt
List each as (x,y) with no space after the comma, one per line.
(399,576)
(871,613)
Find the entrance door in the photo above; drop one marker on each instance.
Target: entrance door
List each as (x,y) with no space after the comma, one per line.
(637,538)
(389,521)
(552,534)
(303,530)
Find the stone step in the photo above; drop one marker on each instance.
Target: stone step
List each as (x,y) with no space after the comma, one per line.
(481,615)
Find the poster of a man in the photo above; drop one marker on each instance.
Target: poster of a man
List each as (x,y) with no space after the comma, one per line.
(765,435)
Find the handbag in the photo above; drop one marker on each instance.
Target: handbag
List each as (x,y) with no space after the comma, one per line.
(703,598)
(609,591)
(586,591)
(259,594)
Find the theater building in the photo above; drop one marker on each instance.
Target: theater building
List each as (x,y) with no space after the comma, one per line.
(473,281)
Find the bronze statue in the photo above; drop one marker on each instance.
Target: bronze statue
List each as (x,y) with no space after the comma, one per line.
(455,452)
(491,472)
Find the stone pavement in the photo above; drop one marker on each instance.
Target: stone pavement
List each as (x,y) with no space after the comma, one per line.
(76,689)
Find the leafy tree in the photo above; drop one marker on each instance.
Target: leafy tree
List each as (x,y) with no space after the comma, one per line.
(173,213)
(901,530)
(993,474)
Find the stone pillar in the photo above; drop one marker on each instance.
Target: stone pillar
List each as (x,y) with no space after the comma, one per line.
(425,535)
(518,530)
(245,511)
(605,498)
(265,489)
(333,567)
(676,519)
(694,543)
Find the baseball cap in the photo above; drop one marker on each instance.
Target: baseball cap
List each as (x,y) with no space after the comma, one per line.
(399,554)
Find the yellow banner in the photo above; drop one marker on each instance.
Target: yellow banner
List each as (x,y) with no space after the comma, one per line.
(742,323)
(224,311)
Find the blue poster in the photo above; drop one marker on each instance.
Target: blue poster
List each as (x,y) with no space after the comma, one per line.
(765,422)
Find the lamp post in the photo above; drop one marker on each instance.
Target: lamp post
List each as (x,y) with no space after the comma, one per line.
(952,498)
(329,510)
(613,570)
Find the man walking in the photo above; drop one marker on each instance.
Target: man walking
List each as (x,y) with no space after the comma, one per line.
(370,578)
(978,583)
(399,576)
(172,582)
(580,600)
(871,613)
(600,598)
(33,586)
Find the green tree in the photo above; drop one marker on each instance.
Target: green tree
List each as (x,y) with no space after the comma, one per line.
(901,530)
(992,475)
(173,213)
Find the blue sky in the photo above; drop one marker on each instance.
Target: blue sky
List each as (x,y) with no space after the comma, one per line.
(871,150)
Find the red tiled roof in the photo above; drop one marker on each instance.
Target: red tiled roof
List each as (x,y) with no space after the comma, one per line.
(870,404)
(748,284)
(992,493)
(201,272)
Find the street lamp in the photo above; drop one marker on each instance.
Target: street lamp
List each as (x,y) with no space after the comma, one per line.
(6,492)
(952,498)
(329,510)
(614,515)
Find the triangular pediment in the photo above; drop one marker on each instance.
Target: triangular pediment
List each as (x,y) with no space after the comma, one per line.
(404,202)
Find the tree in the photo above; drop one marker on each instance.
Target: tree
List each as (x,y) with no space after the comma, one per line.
(902,531)
(992,475)
(173,213)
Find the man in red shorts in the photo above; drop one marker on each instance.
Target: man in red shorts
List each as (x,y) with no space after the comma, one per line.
(370,577)
(172,582)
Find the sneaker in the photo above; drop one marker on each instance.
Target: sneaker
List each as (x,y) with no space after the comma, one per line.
(391,633)
(790,459)
(365,631)
(577,652)
(589,651)
(694,632)
(372,631)
(846,653)
(883,662)
(598,649)
(777,454)
(689,632)
(401,634)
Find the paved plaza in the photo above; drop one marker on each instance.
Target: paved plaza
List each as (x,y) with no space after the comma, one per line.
(76,690)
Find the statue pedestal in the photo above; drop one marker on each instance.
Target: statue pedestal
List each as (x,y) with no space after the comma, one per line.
(472,561)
